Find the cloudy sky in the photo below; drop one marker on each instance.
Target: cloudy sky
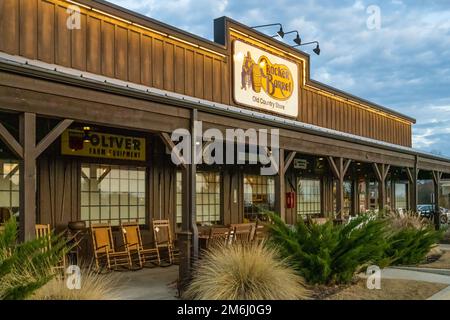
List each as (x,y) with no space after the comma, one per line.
(404,64)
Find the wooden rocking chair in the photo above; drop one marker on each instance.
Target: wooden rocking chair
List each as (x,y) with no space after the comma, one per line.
(103,246)
(243,232)
(132,237)
(164,240)
(218,236)
(43,231)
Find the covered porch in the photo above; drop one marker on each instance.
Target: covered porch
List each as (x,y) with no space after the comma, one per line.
(322,173)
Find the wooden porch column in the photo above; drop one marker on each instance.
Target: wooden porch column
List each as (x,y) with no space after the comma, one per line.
(280,189)
(28,151)
(339,167)
(437,176)
(188,237)
(27,194)
(280,182)
(413,174)
(355,197)
(381,172)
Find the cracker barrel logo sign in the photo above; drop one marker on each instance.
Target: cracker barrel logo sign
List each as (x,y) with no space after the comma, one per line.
(265,81)
(102,145)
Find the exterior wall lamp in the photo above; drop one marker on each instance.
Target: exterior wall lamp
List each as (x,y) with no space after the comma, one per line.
(316,49)
(280,32)
(297,39)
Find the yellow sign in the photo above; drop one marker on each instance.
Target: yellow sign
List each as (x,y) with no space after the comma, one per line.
(102,145)
(275,79)
(265,81)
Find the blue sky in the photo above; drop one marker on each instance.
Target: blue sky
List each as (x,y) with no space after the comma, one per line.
(403,65)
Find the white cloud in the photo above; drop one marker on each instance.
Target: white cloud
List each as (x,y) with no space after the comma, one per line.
(404,65)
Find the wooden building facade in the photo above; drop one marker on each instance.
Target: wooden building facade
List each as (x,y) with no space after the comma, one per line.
(100,69)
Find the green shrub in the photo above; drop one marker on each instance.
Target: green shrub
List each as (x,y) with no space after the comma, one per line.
(327,253)
(27,266)
(410,239)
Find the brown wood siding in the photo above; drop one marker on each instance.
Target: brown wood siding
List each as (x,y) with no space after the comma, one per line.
(134,54)
(63,54)
(36,29)
(58,192)
(94,45)
(9,26)
(146,60)
(46,32)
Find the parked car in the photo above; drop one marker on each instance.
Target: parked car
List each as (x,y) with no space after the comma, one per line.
(428,210)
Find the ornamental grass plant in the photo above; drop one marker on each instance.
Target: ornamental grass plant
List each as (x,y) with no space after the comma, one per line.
(245,272)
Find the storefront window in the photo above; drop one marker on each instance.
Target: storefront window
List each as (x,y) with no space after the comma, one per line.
(259,195)
(401,198)
(179,196)
(308,197)
(362,190)
(347,197)
(347,189)
(445,194)
(208,197)
(9,189)
(389,195)
(373,195)
(112,194)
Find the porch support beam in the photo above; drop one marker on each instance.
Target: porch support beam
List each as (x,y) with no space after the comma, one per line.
(381,172)
(355,197)
(339,166)
(280,188)
(437,177)
(11,142)
(52,136)
(413,174)
(170,145)
(287,163)
(27,194)
(188,237)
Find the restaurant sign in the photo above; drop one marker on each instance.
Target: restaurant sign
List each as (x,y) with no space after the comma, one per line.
(102,145)
(264,81)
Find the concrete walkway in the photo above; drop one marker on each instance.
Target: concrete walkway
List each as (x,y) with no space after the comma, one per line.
(157,283)
(395,273)
(429,276)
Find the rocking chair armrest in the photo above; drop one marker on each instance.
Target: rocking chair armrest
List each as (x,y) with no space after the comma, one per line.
(151,244)
(128,245)
(125,245)
(102,247)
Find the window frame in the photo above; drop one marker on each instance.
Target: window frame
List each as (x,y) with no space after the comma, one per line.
(142,197)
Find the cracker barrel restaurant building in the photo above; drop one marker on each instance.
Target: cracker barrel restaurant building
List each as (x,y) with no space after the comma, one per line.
(87,114)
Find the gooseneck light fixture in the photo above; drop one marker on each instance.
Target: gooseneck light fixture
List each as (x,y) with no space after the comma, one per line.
(297,39)
(86,136)
(280,32)
(316,49)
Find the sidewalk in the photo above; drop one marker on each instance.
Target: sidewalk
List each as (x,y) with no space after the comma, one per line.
(394,273)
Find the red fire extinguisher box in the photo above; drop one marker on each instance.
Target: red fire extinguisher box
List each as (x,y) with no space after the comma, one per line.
(290,200)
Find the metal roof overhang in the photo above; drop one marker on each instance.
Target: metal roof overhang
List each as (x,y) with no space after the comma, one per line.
(70,76)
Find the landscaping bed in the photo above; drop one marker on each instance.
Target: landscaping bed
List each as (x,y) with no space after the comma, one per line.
(391,289)
(442,262)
